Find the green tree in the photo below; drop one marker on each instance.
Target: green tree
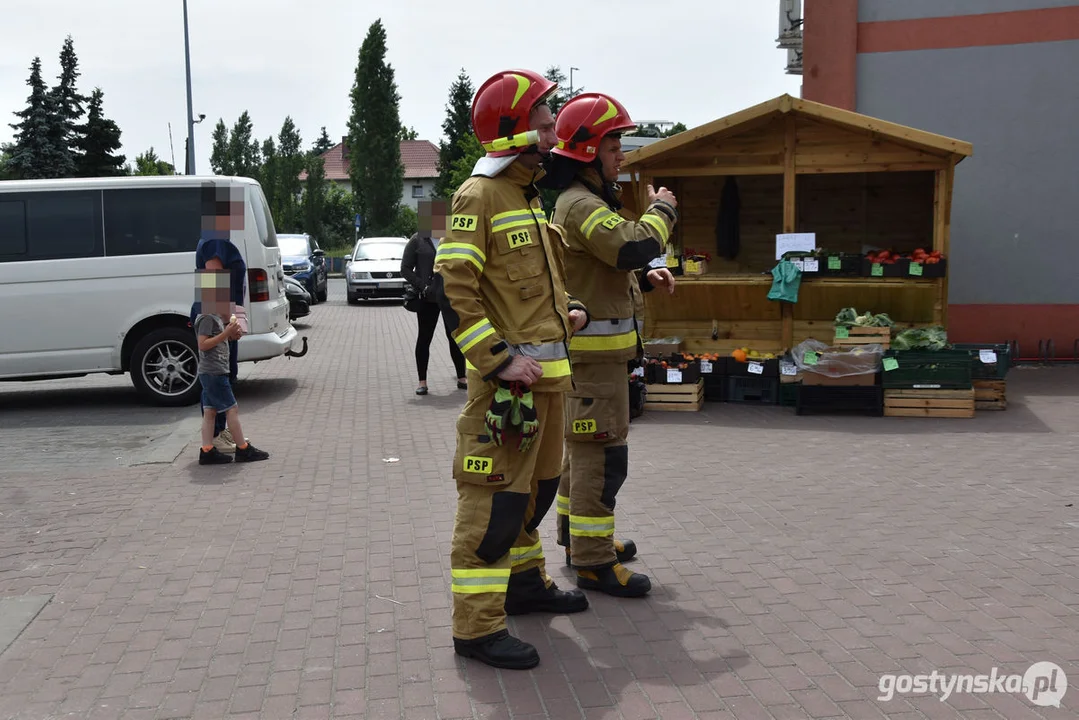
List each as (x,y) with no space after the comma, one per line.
(37,151)
(323,143)
(149,163)
(337,217)
(408,134)
(220,162)
(562,95)
(471,151)
(373,130)
(457,125)
(405,224)
(6,172)
(290,161)
(98,139)
(674,130)
(68,106)
(314,197)
(243,149)
(269,179)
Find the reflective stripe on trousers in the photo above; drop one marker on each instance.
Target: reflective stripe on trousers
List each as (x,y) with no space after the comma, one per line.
(483,580)
(591,526)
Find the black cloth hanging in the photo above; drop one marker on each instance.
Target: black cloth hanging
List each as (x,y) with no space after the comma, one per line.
(728,223)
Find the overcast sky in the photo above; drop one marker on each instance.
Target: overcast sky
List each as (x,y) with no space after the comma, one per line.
(680,60)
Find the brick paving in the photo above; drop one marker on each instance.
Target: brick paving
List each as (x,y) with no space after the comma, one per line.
(794,560)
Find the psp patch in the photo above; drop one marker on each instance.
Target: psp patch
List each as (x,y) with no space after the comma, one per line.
(519,238)
(613,221)
(478,465)
(464,223)
(584,427)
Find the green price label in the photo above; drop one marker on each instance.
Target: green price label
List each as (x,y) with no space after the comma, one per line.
(891,364)
(834,263)
(878,270)
(810,358)
(915,268)
(842,333)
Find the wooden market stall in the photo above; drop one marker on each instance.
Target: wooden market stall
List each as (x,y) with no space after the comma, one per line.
(797,166)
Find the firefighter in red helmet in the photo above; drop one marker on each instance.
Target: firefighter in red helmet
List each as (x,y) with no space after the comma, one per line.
(502,277)
(607,265)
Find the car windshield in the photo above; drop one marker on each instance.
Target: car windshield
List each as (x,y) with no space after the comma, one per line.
(379,251)
(293,246)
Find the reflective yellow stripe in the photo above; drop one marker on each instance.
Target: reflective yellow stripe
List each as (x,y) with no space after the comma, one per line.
(483,580)
(598,215)
(461,251)
(603,342)
(555,368)
(583,526)
(521,555)
(561,504)
(658,225)
(468,339)
(512,219)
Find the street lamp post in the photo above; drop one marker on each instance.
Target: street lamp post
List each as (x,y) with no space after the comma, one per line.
(190,115)
(571,80)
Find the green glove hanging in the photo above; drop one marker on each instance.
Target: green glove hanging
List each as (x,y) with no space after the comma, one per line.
(498,414)
(513,406)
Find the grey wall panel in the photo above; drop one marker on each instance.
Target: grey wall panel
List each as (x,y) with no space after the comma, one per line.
(1015,225)
(880,10)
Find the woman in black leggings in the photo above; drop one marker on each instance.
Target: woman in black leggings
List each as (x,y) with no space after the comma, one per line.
(417,266)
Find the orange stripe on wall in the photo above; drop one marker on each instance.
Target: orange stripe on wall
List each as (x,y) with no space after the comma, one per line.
(1028,324)
(1005,28)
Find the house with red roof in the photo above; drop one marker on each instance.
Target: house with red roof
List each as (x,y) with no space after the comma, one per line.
(420,160)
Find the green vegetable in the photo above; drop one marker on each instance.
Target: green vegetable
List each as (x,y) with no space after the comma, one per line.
(928,338)
(850,316)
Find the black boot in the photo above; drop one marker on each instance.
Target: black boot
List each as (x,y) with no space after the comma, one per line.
(500,650)
(614,580)
(528,593)
(624,551)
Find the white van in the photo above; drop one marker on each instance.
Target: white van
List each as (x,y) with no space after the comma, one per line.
(97,276)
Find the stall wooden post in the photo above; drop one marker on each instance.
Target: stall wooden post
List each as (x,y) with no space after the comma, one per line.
(942,226)
(789,214)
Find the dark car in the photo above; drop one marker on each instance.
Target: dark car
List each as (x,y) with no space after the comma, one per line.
(299,300)
(305,262)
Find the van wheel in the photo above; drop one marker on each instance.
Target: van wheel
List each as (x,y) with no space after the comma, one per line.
(164,367)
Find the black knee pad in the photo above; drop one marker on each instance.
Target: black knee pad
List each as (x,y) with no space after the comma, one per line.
(615,469)
(507,516)
(545,492)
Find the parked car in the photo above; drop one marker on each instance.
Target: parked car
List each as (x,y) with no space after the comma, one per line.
(305,261)
(373,270)
(299,300)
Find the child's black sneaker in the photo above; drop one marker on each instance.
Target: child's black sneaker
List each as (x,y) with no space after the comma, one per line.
(250,454)
(213,456)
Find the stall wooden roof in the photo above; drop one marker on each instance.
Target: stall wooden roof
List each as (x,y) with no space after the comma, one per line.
(823,139)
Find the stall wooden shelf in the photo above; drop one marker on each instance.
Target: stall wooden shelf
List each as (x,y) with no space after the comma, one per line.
(798,166)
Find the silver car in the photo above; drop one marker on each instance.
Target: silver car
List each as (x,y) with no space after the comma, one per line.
(373,270)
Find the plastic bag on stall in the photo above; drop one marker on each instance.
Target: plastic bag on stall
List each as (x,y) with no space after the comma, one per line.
(838,362)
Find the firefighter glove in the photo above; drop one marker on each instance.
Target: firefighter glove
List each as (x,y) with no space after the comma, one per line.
(498,414)
(525,417)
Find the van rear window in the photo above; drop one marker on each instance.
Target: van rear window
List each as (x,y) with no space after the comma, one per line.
(263,219)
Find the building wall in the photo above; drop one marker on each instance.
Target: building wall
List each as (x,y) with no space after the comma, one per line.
(1000,82)
(428,185)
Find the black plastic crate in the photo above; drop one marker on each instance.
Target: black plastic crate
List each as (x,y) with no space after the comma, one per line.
(788,394)
(929,270)
(741,369)
(656,374)
(840,264)
(752,389)
(896,269)
(988,371)
(826,399)
(927,369)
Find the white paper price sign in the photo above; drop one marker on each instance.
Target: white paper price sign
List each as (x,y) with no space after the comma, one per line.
(789,369)
(674,376)
(706,366)
(988,357)
(798,263)
(756,368)
(811,265)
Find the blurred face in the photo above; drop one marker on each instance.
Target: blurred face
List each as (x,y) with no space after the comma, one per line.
(611,157)
(212,288)
(432,218)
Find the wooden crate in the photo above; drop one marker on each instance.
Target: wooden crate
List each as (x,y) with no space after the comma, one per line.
(866,336)
(990,395)
(929,403)
(675,398)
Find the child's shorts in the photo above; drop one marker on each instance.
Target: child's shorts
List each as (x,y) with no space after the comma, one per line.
(217,392)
